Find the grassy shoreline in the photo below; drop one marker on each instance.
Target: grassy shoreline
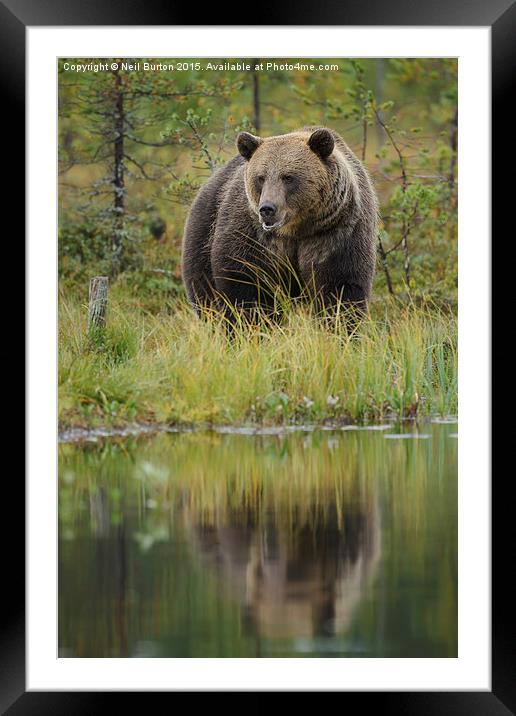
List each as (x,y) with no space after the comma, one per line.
(172,368)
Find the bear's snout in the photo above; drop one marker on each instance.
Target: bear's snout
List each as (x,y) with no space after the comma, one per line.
(268,212)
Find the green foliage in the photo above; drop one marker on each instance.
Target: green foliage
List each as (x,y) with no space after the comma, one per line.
(81,244)
(85,250)
(156,226)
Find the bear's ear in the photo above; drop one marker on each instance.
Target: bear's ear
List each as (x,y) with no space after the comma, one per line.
(321,142)
(247,144)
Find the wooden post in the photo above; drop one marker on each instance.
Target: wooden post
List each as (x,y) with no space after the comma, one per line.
(98,303)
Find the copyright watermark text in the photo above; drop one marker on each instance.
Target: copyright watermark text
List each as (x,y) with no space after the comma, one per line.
(184,65)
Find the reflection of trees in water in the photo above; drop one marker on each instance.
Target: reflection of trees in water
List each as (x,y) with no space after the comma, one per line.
(112,564)
(290,526)
(295,576)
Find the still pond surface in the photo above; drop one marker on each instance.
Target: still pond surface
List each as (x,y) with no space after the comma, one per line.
(311,543)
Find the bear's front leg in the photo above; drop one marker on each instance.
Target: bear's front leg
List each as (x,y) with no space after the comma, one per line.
(345,297)
(338,294)
(345,305)
(244,286)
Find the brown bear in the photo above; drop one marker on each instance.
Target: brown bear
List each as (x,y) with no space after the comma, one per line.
(295,214)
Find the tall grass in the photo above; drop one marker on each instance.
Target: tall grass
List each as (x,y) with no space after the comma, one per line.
(173,367)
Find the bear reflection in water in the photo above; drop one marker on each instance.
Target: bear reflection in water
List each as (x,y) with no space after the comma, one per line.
(302,579)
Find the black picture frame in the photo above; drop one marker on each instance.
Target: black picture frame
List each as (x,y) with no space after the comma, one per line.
(500,16)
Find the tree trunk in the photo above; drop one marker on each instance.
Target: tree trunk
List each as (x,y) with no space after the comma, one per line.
(379,81)
(256,96)
(118,175)
(383,258)
(406,257)
(453,147)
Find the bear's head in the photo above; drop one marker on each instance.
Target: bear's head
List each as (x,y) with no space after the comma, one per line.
(287,177)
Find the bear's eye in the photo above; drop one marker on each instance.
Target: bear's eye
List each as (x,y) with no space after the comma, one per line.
(287,178)
(260,180)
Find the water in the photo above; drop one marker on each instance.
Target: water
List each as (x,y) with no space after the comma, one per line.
(323,543)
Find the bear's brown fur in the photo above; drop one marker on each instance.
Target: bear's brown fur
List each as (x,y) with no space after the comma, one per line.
(296,211)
